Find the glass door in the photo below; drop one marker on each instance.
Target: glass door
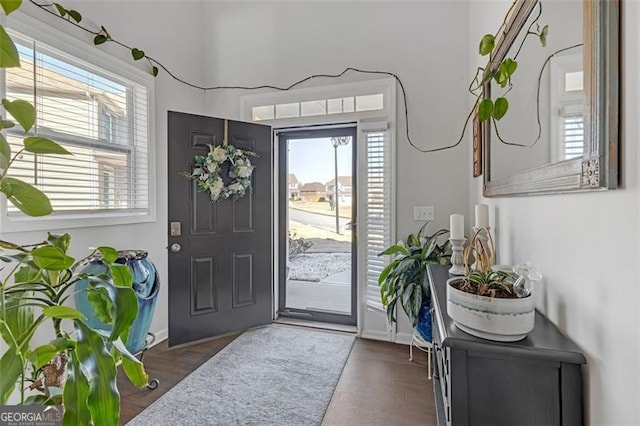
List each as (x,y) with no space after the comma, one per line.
(317,225)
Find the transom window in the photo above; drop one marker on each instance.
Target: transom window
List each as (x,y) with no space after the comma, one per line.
(100,117)
(361,103)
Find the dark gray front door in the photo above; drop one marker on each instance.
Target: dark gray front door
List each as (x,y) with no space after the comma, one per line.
(220,267)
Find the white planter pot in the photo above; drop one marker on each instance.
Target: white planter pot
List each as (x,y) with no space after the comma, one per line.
(492,318)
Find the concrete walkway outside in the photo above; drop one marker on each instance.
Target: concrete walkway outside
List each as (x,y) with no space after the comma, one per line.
(331,294)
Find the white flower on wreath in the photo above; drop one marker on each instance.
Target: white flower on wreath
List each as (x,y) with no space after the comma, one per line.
(219,154)
(244,171)
(236,188)
(216,187)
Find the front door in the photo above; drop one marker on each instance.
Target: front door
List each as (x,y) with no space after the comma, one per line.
(220,253)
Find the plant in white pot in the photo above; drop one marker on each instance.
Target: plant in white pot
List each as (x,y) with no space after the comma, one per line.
(484,302)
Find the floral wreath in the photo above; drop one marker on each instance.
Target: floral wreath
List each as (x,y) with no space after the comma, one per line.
(208,169)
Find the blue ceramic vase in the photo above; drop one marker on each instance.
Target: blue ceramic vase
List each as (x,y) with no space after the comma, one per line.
(146,285)
(424,323)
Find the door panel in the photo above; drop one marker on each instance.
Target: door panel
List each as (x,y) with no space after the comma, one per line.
(221,279)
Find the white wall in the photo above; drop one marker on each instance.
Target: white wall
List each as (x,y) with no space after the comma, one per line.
(587,247)
(177,43)
(251,43)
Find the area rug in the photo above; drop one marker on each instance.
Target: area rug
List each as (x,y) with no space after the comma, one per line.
(274,375)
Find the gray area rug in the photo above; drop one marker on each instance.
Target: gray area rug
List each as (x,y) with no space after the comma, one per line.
(275,375)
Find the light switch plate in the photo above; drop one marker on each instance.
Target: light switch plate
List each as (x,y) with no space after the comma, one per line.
(422,213)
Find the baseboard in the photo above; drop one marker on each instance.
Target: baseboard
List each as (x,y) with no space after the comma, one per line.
(404,338)
(376,335)
(161,336)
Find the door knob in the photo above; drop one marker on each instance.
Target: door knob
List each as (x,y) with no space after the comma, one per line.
(175,247)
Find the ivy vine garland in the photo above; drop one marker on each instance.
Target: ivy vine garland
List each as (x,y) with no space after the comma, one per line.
(208,172)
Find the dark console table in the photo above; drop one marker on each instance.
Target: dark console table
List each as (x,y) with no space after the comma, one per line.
(536,381)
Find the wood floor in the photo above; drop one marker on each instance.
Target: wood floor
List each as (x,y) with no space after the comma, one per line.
(378,386)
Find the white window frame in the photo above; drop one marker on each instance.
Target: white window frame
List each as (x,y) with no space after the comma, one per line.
(563,103)
(371,321)
(36,29)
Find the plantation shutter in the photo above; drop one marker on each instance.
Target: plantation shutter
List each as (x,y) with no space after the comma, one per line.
(572,131)
(101,118)
(377,209)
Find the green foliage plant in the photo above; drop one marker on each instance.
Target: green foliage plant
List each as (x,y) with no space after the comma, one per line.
(491,107)
(37,280)
(404,279)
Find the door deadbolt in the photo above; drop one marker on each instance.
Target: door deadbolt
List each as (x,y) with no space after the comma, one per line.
(175,247)
(175,229)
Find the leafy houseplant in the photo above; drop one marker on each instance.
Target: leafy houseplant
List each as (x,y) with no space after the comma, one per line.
(77,368)
(404,279)
(484,302)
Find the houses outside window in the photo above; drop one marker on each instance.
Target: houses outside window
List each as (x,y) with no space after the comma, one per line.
(101,117)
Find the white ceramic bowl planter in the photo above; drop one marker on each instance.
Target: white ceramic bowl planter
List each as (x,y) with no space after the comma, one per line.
(493,318)
(505,319)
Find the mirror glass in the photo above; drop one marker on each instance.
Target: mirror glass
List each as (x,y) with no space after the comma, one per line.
(553,129)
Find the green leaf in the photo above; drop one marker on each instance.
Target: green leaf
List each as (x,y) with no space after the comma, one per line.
(26,274)
(543,35)
(500,108)
(510,66)
(132,366)
(51,258)
(137,54)
(29,199)
(99,367)
(10,5)
(39,145)
(5,152)
(502,75)
(154,71)
(42,355)
(75,395)
(395,249)
(109,254)
(121,275)
(125,305)
(485,109)
(487,44)
(100,39)
(75,15)
(62,312)
(18,316)
(4,124)
(22,111)
(9,57)
(102,305)
(486,76)
(11,367)
(62,241)
(61,10)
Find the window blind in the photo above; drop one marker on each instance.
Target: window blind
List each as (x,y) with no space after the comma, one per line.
(572,136)
(377,207)
(101,118)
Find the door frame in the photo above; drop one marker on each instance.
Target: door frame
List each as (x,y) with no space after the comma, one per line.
(281,201)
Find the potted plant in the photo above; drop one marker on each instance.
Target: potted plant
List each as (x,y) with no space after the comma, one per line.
(489,303)
(404,280)
(77,367)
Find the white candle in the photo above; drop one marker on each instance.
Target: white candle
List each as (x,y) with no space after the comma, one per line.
(482,216)
(456,223)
